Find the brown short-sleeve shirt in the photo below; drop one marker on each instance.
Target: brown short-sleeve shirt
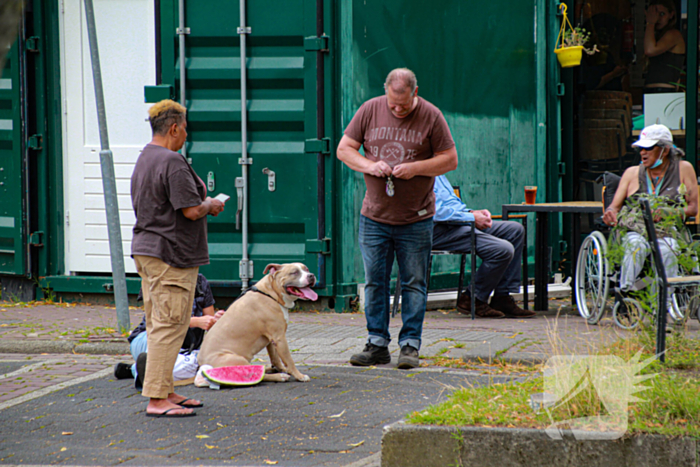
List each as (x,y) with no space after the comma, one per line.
(393,140)
(162,184)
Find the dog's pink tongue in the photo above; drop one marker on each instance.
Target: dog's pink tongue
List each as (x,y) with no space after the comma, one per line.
(308,293)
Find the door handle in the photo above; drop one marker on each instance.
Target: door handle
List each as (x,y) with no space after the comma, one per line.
(240,195)
(270,179)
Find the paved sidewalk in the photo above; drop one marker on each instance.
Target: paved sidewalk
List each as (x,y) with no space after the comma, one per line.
(326,338)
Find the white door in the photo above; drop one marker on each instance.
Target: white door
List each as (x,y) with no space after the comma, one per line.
(126,39)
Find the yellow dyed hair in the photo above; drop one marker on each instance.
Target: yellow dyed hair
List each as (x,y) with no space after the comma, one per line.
(163,114)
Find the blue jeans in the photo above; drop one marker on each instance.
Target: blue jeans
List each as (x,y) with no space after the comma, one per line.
(138,346)
(410,244)
(500,248)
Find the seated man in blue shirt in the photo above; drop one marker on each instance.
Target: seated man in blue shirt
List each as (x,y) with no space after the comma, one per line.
(498,244)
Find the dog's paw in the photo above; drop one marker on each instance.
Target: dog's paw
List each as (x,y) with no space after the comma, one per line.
(303,378)
(277,377)
(272,369)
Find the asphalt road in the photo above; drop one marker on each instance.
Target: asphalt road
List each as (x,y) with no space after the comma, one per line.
(336,419)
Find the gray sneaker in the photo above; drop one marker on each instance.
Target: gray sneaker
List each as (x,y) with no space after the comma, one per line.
(372,355)
(408,358)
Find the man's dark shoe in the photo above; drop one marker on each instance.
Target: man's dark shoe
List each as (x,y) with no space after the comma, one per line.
(408,358)
(140,370)
(506,305)
(371,355)
(122,371)
(483,310)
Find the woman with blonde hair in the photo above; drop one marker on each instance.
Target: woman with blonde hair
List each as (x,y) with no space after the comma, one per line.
(169,245)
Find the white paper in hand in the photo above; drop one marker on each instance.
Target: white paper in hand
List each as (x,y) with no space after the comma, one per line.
(222,197)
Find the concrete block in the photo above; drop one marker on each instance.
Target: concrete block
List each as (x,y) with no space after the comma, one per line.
(427,446)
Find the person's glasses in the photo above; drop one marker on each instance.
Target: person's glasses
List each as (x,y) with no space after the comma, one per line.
(649,149)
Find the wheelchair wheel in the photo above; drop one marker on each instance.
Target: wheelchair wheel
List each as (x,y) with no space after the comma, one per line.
(685,302)
(628,313)
(592,284)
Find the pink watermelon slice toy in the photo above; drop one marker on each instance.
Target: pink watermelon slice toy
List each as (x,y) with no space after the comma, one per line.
(241,375)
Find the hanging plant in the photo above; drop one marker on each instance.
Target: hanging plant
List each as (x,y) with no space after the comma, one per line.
(573,39)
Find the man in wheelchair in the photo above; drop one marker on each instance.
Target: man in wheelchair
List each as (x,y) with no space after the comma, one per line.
(669,180)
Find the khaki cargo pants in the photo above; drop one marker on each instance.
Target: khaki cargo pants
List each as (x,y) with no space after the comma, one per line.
(168,294)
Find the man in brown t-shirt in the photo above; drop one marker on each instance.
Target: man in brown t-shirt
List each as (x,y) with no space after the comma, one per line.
(169,244)
(406,144)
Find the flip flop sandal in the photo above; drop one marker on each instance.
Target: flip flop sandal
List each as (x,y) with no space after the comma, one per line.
(172,415)
(188,406)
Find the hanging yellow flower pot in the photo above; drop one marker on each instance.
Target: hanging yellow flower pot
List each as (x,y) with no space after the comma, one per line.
(569,56)
(570,50)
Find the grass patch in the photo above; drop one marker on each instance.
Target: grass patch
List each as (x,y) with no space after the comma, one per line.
(669,403)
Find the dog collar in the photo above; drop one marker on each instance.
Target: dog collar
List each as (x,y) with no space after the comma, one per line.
(255,289)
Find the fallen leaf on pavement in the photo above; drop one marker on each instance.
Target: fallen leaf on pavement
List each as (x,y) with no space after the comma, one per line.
(64,449)
(337,415)
(268,461)
(66,433)
(211,447)
(357,444)
(202,436)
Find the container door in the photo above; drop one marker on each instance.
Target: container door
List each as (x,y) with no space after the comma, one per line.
(281,93)
(127,61)
(12,238)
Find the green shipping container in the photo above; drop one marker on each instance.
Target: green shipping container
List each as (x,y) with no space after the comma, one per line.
(12,231)
(283,146)
(487,66)
(31,238)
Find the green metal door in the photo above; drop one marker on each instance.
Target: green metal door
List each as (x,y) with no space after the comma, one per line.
(12,240)
(281,68)
(482,65)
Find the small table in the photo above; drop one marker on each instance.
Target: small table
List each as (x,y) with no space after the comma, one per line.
(542,251)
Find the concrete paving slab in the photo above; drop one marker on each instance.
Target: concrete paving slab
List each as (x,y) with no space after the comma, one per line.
(435,348)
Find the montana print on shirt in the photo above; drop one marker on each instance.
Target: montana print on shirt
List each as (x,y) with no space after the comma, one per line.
(418,136)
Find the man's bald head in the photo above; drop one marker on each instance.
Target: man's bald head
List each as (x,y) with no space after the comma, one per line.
(401,80)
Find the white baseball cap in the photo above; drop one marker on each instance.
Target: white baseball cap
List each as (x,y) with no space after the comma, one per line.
(651,135)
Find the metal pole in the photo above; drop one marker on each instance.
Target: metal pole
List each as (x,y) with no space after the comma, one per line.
(181,32)
(473,271)
(109,183)
(320,157)
(245,268)
(662,282)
